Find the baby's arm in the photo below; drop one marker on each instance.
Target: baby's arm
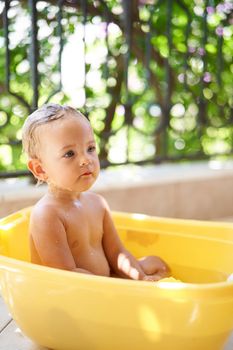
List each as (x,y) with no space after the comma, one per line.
(49,237)
(122,261)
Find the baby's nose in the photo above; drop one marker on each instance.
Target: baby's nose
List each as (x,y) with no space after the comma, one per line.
(84,161)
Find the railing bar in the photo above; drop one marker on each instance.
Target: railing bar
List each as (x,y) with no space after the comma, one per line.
(148,47)
(219,60)
(202,102)
(106,67)
(61,46)
(18,173)
(167,107)
(7,51)
(127,18)
(169,36)
(186,56)
(34,53)
(156,160)
(205,34)
(187,34)
(84,21)
(162,123)
(160,159)
(60,35)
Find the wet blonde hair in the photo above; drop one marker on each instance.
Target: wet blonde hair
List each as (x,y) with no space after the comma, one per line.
(46,114)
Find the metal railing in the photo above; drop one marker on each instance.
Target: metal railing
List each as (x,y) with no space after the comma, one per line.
(155,76)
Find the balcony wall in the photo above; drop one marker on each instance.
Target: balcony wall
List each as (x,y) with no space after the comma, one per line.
(202,190)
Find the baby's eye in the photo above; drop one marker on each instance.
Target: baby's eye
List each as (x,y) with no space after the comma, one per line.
(69,154)
(91,149)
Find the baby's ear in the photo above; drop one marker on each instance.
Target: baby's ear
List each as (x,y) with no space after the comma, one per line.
(34,165)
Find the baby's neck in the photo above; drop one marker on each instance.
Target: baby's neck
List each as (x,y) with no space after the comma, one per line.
(63,194)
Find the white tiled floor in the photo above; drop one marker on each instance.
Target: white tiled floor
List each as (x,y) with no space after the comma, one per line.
(11,338)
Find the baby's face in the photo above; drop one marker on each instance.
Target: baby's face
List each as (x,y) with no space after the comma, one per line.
(68,153)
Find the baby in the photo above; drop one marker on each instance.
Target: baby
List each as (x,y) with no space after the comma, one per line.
(70,227)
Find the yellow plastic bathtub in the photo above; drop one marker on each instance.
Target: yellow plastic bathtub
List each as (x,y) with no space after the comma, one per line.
(71,311)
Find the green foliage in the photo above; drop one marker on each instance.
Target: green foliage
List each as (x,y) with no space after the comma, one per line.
(179,68)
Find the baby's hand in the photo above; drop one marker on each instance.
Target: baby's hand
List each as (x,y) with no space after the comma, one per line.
(154,268)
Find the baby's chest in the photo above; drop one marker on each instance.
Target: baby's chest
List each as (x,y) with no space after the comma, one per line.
(81,232)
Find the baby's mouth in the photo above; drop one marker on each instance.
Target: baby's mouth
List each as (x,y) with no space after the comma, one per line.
(87,173)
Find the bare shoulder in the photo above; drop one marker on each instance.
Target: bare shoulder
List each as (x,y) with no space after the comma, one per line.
(44,207)
(44,213)
(96,199)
